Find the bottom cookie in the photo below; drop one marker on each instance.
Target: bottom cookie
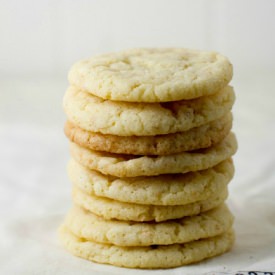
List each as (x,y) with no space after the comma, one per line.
(166,256)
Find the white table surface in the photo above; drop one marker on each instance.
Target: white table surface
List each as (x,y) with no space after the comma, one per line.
(35,191)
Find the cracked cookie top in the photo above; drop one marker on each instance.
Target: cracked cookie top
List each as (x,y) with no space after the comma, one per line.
(152,75)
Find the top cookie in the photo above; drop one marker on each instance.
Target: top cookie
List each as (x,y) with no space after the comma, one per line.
(152,75)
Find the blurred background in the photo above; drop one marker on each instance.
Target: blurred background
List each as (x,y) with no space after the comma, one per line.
(40,40)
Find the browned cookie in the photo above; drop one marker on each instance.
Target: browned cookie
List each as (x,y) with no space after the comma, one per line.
(195,138)
(119,165)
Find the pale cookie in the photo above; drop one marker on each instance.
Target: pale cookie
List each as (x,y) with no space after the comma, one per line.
(152,75)
(112,209)
(177,189)
(162,256)
(144,119)
(134,166)
(86,225)
(195,138)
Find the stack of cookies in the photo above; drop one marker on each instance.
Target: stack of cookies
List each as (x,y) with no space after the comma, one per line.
(151,150)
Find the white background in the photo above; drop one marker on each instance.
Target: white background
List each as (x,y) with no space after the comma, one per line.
(40,40)
(46,36)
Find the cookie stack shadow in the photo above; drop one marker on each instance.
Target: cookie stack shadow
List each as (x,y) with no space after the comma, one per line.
(150,179)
